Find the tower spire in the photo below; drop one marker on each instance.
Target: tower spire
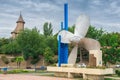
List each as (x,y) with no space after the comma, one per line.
(20,19)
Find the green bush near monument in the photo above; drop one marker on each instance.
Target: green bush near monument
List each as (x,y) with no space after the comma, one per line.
(18,71)
(117,72)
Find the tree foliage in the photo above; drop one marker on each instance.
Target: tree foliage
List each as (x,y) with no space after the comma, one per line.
(94,33)
(111,49)
(33,44)
(71,29)
(30,41)
(48,55)
(18,60)
(12,48)
(47,29)
(51,42)
(3,41)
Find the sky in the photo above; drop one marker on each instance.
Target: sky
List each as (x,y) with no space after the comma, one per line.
(103,14)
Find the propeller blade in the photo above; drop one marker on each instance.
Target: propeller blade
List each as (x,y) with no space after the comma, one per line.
(82,25)
(73,55)
(75,39)
(65,36)
(90,44)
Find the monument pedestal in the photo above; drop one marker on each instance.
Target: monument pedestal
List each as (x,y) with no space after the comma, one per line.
(87,73)
(93,77)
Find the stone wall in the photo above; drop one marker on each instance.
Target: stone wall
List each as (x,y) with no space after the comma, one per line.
(24,64)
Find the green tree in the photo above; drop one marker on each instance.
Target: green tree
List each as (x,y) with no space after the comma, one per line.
(30,43)
(19,59)
(48,56)
(94,33)
(51,42)
(47,29)
(3,41)
(71,29)
(111,50)
(12,48)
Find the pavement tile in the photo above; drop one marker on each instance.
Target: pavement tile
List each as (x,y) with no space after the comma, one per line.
(28,77)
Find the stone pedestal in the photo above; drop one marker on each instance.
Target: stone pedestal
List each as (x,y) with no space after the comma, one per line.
(87,73)
(93,77)
(60,74)
(63,74)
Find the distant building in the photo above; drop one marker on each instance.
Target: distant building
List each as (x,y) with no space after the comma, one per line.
(20,26)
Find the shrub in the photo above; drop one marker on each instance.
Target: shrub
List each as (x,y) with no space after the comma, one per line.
(5,59)
(117,72)
(17,71)
(13,59)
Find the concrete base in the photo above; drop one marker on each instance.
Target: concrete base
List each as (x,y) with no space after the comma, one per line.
(84,76)
(63,74)
(87,73)
(93,77)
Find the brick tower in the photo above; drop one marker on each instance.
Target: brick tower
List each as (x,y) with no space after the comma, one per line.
(20,26)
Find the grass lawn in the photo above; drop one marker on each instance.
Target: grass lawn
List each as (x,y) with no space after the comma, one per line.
(109,79)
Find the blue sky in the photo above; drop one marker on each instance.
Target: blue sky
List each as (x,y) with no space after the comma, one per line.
(103,13)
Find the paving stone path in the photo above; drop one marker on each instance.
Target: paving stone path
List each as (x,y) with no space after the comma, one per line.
(28,77)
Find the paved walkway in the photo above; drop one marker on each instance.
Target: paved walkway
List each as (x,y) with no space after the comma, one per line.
(28,77)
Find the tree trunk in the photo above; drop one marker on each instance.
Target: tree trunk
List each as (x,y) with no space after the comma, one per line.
(43,62)
(19,64)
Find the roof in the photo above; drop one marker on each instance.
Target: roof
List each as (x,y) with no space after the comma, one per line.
(20,19)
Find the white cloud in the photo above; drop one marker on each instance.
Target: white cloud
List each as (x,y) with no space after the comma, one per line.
(109,27)
(96,2)
(8,15)
(114,8)
(37,12)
